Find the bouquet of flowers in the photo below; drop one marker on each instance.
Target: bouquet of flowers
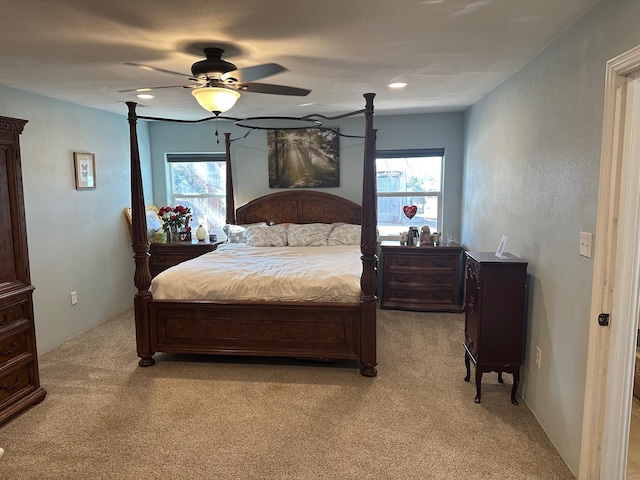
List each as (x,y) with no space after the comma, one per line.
(174,218)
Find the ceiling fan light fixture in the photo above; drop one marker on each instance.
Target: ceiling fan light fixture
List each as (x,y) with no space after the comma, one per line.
(216,99)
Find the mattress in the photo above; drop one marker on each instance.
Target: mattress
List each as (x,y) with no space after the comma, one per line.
(245,273)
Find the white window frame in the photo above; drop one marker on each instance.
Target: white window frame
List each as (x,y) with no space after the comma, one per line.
(414,153)
(172,158)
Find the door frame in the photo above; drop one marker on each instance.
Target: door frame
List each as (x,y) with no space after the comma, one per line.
(615,287)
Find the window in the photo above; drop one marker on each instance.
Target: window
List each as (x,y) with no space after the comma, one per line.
(198,181)
(409,177)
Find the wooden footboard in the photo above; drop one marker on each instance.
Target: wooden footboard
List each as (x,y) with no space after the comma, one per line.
(263,329)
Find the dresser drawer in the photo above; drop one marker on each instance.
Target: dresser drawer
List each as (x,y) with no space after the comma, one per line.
(15,382)
(421,281)
(421,262)
(14,342)
(11,314)
(421,296)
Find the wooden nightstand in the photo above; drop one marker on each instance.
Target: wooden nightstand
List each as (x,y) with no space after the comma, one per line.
(165,255)
(422,278)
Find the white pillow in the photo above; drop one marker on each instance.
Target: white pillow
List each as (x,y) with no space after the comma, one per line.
(267,236)
(308,234)
(153,222)
(344,234)
(238,233)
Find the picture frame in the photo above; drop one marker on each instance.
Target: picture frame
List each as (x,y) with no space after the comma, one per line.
(84,165)
(303,158)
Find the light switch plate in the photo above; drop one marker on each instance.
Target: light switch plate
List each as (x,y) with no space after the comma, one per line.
(585,244)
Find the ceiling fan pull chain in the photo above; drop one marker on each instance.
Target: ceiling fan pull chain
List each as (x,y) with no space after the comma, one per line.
(217,136)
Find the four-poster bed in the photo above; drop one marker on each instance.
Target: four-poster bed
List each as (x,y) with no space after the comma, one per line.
(295,329)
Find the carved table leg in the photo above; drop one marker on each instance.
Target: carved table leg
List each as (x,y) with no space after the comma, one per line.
(146,360)
(368,370)
(467,363)
(500,380)
(478,384)
(516,382)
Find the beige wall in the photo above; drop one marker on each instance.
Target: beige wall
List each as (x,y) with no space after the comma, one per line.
(78,239)
(532,153)
(249,156)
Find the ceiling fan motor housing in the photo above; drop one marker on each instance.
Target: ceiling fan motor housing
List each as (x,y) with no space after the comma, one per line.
(213,67)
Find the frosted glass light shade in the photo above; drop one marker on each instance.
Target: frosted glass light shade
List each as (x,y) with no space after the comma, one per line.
(215,99)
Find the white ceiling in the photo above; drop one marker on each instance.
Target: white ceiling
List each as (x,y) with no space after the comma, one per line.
(450,52)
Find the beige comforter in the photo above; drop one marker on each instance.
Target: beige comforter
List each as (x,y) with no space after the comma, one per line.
(241,272)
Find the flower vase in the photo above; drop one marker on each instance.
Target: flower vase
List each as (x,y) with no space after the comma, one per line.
(172,234)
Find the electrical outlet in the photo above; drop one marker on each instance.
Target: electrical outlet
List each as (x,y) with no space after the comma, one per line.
(538,356)
(74,298)
(585,244)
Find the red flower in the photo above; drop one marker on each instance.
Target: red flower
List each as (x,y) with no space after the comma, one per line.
(178,217)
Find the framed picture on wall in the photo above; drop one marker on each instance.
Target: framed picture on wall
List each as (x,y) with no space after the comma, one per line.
(304,158)
(85,169)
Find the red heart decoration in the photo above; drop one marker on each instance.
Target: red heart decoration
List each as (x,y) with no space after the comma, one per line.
(410,211)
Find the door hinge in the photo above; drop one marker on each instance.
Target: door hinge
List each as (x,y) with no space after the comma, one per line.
(603,319)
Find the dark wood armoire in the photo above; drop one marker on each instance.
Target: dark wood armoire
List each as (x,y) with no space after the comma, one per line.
(19,379)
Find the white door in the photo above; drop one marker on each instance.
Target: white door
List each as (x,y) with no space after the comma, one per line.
(616,282)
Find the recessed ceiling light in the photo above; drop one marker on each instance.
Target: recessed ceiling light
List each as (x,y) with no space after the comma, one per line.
(397,85)
(144,96)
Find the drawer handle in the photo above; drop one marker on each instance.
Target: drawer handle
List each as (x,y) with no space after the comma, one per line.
(11,387)
(440,280)
(9,352)
(6,319)
(402,279)
(441,263)
(440,296)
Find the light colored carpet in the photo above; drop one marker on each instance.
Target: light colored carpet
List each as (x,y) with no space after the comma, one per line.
(217,418)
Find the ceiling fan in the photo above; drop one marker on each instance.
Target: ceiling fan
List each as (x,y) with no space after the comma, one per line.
(218,83)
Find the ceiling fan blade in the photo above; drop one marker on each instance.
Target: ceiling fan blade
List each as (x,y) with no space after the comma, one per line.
(273,89)
(146,89)
(156,69)
(249,74)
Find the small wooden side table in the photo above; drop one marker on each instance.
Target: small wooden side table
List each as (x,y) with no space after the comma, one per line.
(165,255)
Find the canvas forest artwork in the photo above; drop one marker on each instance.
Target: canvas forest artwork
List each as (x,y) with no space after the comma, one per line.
(308,158)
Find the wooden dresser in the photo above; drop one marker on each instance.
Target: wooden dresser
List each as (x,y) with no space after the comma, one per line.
(165,255)
(494,316)
(19,378)
(422,278)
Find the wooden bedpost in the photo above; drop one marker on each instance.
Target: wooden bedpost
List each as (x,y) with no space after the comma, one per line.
(142,275)
(368,247)
(231,208)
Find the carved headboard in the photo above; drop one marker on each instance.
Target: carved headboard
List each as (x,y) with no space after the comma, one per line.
(308,206)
